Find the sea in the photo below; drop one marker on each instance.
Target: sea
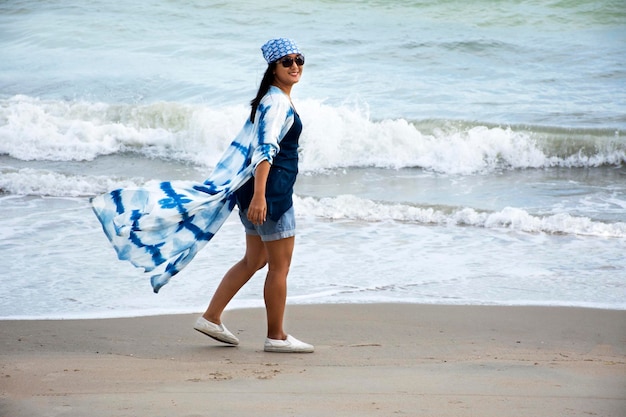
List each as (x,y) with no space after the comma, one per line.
(453,152)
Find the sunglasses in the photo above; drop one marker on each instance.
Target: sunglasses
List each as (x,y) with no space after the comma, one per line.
(288,61)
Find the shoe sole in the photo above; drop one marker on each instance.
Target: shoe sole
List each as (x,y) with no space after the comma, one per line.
(228,342)
(287,350)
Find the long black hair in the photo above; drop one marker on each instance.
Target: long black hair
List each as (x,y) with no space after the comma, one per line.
(266,83)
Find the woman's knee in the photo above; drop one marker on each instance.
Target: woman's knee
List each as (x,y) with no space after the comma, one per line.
(254,263)
(256,254)
(278,270)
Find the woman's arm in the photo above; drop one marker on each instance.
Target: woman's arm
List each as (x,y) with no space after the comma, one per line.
(273,119)
(257,211)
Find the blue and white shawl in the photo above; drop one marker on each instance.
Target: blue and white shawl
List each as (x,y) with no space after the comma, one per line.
(175,219)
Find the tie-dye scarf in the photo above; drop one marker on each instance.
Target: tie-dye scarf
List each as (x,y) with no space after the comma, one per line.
(175,219)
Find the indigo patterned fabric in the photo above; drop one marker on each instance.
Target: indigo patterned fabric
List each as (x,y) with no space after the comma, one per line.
(275,49)
(171,221)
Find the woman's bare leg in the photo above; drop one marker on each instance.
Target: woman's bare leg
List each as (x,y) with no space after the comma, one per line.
(279,253)
(254,259)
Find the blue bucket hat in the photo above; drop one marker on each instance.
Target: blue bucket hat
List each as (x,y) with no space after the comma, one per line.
(274,49)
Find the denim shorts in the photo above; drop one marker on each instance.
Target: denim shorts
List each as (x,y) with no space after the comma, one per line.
(270,230)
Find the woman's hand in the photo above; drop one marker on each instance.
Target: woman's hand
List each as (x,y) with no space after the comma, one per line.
(257,212)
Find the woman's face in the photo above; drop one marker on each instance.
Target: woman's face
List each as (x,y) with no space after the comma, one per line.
(288,76)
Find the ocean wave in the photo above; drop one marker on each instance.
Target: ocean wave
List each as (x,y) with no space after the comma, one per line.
(346,136)
(34,182)
(348,207)
(48,130)
(39,182)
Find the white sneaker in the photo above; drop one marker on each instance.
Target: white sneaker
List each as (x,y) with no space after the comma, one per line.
(291,345)
(218,332)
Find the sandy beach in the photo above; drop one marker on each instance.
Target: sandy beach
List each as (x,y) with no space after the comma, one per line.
(370,360)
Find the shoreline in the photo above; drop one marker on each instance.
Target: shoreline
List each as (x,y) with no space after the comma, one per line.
(370,359)
(259,305)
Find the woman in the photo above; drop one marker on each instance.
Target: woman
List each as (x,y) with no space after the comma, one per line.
(171,221)
(265,203)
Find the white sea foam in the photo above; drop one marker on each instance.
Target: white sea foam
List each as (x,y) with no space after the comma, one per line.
(29,181)
(37,182)
(345,136)
(348,207)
